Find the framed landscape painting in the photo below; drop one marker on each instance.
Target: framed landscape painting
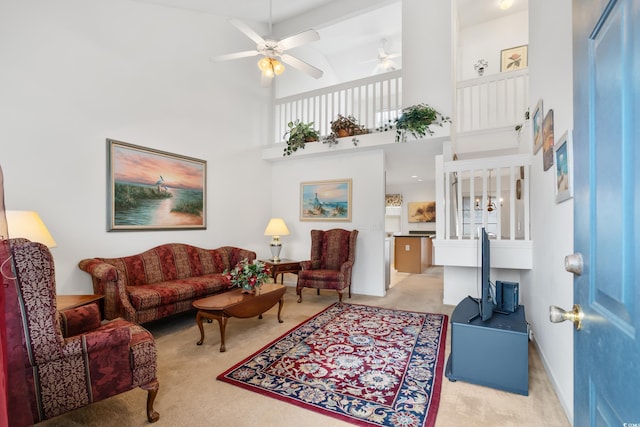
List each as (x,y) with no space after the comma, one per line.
(154,190)
(422,211)
(326,200)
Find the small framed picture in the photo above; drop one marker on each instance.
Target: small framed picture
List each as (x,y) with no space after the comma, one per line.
(564,168)
(536,118)
(547,140)
(514,58)
(422,211)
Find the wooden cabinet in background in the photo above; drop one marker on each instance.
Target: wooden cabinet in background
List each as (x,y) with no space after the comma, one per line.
(412,254)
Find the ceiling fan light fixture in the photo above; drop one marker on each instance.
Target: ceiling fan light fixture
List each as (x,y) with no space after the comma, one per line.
(270,67)
(505,4)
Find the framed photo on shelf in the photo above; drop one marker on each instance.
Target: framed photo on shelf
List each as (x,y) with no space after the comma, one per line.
(514,58)
(326,200)
(547,140)
(536,120)
(154,190)
(564,168)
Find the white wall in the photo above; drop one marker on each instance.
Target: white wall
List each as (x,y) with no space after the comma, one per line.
(550,66)
(366,171)
(486,40)
(75,72)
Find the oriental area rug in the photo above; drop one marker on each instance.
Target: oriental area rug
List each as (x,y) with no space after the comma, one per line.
(366,365)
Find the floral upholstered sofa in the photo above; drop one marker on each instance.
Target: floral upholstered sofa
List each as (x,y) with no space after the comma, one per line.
(161,281)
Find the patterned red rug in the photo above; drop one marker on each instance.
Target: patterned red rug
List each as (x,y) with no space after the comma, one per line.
(366,365)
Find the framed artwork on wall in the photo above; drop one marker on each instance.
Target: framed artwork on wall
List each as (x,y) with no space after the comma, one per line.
(514,58)
(547,140)
(422,211)
(326,200)
(564,168)
(536,119)
(154,190)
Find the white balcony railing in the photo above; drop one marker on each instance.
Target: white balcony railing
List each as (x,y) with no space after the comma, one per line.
(490,192)
(373,101)
(493,101)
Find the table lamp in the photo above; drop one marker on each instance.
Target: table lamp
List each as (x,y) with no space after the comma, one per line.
(28,224)
(275,229)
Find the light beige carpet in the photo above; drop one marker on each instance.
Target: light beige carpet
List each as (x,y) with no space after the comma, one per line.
(190,395)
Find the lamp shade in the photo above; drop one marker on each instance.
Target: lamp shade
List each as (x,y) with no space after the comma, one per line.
(27,224)
(276,227)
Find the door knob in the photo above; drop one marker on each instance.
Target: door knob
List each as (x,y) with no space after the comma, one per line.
(573,263)
(557,315)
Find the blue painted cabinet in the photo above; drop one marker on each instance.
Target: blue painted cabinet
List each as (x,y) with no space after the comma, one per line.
(494,353)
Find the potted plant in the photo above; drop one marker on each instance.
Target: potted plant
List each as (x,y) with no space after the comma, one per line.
(416,120)
(344,126)
(298,134)
(248,275)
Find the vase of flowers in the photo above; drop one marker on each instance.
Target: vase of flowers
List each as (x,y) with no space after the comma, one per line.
(248,276)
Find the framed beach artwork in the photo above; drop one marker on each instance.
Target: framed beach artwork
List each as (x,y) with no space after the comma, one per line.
(154,190)
(564,168)
(537,116)
(422,211)
(514,58)
(326,200)
(547,140)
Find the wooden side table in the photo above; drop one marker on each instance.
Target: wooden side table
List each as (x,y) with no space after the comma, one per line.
(281,267)
(65,302)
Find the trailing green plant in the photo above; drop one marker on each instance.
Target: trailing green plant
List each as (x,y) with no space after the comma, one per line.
(298,134)
(344,126)
(416,121)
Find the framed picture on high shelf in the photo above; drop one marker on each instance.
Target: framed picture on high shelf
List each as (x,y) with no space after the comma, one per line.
(564,168)
(547,140)
(154,190)
(514,58)
(536,120)
(326,200)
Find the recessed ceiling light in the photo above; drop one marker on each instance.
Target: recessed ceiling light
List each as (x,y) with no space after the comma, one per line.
(505,4)
(414,176)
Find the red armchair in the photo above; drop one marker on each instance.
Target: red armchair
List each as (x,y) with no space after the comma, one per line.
(73,359)
(333,253)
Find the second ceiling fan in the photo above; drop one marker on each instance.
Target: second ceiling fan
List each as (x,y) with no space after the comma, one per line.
(272,51)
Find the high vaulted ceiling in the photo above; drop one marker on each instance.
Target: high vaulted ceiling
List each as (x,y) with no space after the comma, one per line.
(345,26)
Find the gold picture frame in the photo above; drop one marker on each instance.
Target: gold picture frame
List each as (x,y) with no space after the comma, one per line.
(326,200)
(154,190)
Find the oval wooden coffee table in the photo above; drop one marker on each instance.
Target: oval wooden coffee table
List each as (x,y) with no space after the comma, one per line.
(234,303)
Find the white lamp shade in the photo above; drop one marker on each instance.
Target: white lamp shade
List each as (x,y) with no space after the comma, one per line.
(276,227)
(27,224)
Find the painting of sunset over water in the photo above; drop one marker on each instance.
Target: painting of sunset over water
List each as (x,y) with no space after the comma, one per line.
(152,189)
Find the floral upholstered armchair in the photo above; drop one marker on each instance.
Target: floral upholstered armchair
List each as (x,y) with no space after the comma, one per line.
(333,253)
(71,358)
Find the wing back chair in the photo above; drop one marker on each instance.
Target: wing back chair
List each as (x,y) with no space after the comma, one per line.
(333,253)
(71,358)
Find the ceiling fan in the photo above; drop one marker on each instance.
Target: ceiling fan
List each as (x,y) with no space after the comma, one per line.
(385,60)
(272,51)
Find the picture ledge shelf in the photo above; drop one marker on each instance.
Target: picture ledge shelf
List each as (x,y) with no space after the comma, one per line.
(374,140)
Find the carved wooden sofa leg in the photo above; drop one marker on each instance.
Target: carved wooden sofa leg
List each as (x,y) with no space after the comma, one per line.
(152,388)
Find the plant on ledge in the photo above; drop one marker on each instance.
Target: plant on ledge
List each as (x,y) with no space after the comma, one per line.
(248,276)
(416,120)
(298,134)
(344,126)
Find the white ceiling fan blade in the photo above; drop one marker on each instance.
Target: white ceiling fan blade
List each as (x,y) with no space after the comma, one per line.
(247,31)
(299,39)
(302,66)
(236,55)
